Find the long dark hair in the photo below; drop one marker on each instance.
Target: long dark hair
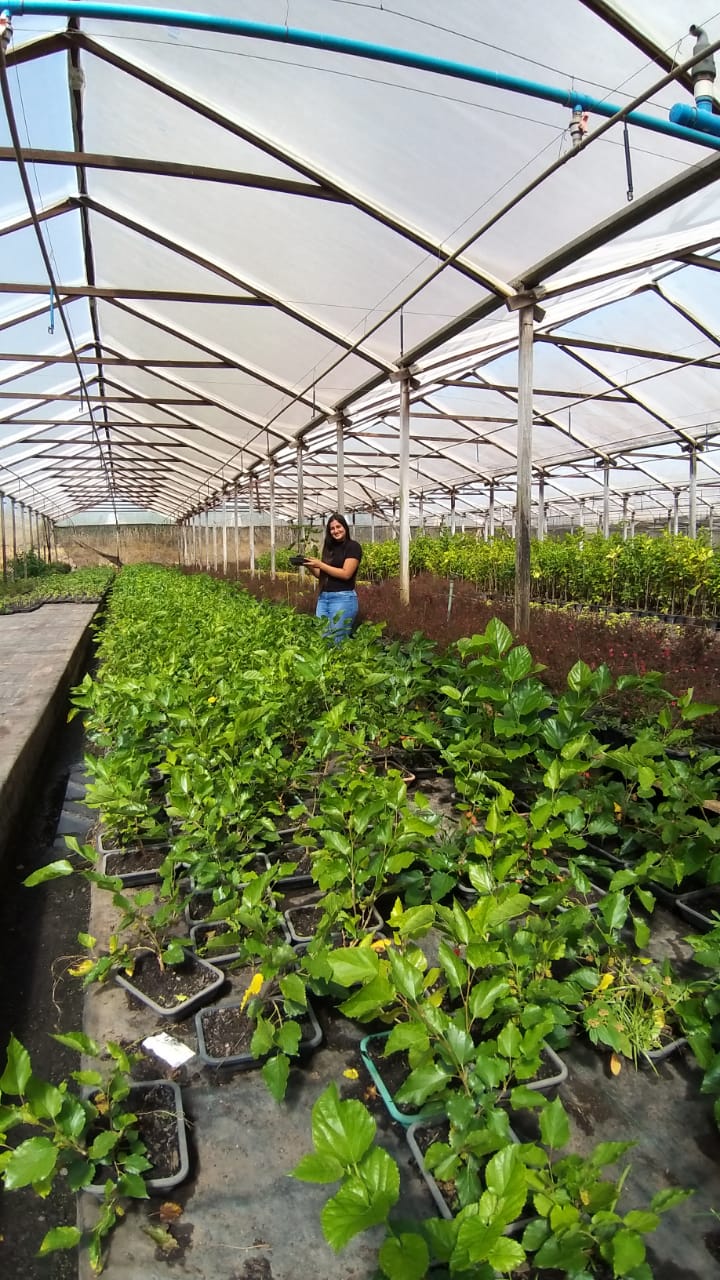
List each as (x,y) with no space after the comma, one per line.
(330,542)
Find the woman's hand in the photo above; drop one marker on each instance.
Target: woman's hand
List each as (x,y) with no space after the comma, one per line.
(311,562)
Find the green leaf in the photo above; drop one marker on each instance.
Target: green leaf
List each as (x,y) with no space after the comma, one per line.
(506,1255)
(505,1176)
(406,1035)
(33,1161)
(275,1074)
(453,966)
(46,1099)
(369,1000)
(668,1199)
(519,663)
(103,1144)
(78,1040)
(293,989)
(475,1242)
(628,1251)
(554,1125)
(364,1201)
(614,910)
(317,1168)
(404,1257)
(485,995)
(407,979)
(17,1069)
(60,1238)
(422,1083)
(509,1040)
(288,1037)
(641,1220)
(354,965)
(133,1185)
(343,1130)
(51,871)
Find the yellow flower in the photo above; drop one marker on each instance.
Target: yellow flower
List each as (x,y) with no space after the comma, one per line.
(351,1074)
(252,990)
(211,700)
(81,969)
(618,810)
(381,944)
(606,981)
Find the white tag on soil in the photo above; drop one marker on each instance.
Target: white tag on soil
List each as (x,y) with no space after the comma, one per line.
(170,1050)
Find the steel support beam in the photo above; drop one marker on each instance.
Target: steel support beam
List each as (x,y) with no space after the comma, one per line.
(692,495)
(606,500)
(340,448)
(404,487)
(524,470)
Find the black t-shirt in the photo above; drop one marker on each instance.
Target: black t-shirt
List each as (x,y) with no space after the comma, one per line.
(340,552)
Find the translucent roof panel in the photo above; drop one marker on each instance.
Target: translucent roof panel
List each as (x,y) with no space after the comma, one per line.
(238,243)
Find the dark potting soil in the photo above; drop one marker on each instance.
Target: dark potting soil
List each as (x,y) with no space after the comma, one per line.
(154,1106)
(209,938)
(129,861)
(228,1032)
(168,987)
(305,920)
(393,1071)
(301,857)
(36,998)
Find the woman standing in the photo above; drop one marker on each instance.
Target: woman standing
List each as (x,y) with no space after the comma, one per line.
(336,571)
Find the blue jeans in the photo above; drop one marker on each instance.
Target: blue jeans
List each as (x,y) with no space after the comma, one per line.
(339,610)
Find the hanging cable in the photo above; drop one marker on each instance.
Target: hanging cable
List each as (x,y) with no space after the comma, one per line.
(5,35)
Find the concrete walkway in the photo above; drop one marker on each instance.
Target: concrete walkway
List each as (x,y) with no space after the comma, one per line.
(41,656)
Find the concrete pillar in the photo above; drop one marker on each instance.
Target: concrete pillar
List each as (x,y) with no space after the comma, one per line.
(524,470)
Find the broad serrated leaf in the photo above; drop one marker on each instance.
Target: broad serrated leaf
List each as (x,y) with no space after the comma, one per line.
(404,1257)
(317,1168)
(17,1069)
(343,1130)
(59,1238)
(275,1073)
(33,1161)
(554,1125)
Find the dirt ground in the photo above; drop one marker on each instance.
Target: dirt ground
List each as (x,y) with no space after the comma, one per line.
(37,926)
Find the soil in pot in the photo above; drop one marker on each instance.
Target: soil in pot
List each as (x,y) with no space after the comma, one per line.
(176,986)
(161,1126)
(225,1035)
(136,862)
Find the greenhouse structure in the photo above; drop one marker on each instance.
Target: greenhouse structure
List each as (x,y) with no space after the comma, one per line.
(359,640)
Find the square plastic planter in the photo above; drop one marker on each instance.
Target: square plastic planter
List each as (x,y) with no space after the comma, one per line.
(414,1135)
(310,1040)
(200,932)
(182,1004)
(291,853)
(135,866)
(299,932)
(159,1186)
(556,1074)
(698,906)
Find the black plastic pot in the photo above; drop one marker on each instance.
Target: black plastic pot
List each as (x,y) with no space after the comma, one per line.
(200,933)
(698,906)
(181,1007)
(298,933)
(414,1141)
(245,1061)
(172,1104)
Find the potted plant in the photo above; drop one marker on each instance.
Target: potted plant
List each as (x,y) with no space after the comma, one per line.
(86,1129)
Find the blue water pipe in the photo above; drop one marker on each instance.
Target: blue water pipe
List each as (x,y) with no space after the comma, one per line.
(359,49)
(703,76)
